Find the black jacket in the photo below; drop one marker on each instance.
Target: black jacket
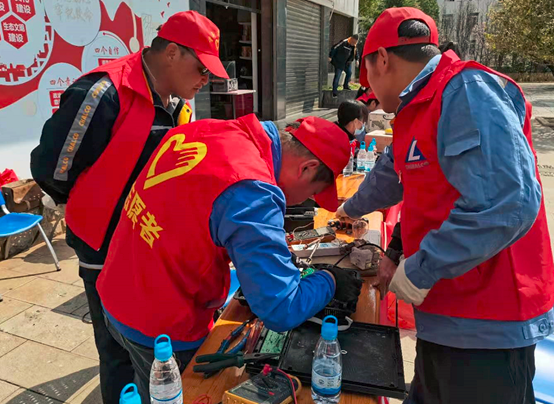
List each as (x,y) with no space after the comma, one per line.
(45,157)
(343,53)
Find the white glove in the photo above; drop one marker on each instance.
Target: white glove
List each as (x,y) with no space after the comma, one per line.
(404,289)
(340,212)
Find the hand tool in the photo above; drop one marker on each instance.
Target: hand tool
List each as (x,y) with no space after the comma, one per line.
(219,361)
(227,342)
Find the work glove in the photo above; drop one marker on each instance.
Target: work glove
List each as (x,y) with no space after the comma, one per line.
(404,289)
(347,287)
(340,213)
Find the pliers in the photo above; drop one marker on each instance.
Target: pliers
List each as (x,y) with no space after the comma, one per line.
(227,342)
(218,361)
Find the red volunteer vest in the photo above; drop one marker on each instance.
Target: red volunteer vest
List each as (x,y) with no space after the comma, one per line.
(163,273)
(97,190)
(518,283)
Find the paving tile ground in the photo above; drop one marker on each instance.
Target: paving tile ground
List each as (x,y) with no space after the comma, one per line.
(47,354)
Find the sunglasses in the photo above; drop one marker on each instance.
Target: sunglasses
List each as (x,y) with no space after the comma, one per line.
(203,70)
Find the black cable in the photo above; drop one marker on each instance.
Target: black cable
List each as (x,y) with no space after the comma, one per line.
(348,253)
(375,245)
(83,318)
(341,258)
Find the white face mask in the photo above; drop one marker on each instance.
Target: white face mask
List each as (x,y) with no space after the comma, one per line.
(360,132)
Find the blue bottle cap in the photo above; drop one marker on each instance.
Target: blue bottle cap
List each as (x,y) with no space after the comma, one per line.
(329,330)
(162,349)
(129,395)
(362,145)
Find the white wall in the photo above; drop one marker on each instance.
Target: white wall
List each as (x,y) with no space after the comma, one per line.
(26,99)
(346,7)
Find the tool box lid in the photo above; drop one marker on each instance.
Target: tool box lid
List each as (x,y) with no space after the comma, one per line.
(371,358)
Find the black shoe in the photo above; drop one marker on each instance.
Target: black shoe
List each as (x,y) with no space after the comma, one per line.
(346,88)
(335,95)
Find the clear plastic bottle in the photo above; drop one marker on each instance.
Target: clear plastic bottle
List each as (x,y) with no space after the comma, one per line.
(129,395)
(347,171)
(361,160)
(370,156)
(327,365)
(165,379)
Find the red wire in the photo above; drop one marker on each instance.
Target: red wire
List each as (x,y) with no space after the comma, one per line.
(203,399)
(291,384)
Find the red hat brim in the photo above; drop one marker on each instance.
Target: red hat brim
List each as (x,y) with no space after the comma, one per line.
(328,198)
(213,64)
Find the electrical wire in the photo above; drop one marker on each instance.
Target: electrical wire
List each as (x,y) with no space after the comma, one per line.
(302,227)
(374,245)
(203,399)
(291,385)
(84,320)
(341,258)
(348,253)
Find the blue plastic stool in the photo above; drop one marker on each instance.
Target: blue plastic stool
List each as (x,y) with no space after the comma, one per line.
(15,223)
(544,374)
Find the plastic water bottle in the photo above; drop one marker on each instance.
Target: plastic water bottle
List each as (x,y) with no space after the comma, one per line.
(165,379)
(371,156)
(347,171)
(129,395)
(327,365)
(361,158)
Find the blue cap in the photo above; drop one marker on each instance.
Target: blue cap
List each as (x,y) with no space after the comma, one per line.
(129,395)
(362,144)
(162,349)
(329,331)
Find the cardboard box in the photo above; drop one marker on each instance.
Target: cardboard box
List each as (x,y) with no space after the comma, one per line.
(382,139)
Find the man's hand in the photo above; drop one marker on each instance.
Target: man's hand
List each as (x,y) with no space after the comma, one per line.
(347,288)
(405,289)
(330,60)
(386,271)
(357,63)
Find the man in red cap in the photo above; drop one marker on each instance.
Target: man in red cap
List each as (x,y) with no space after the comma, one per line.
(93,148)
(478,261)
(216,190)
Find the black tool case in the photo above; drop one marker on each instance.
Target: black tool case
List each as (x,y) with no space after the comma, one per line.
(371,360)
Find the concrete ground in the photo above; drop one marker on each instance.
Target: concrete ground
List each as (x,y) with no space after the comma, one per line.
(47,353)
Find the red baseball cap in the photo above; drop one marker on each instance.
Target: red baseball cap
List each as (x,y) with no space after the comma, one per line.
(365,97)
(328,143)
(193,30)
(384,33)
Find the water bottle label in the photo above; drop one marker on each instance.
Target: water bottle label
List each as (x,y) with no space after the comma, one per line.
(326,385)
(178,399)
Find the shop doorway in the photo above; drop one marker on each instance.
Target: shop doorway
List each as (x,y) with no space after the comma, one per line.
(239,53)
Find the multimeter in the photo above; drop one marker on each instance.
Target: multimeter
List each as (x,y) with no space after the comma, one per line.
(326,234)
(274,388)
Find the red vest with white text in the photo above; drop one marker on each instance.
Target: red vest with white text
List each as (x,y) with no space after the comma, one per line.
(163,273)
(516,284)
(98,189)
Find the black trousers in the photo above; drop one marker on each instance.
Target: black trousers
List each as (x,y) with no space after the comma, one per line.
(116,369)
(142,358)
(445,375)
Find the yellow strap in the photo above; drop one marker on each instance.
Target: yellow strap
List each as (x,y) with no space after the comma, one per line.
(185,115)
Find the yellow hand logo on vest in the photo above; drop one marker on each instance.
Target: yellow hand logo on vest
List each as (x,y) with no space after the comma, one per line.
(190,155)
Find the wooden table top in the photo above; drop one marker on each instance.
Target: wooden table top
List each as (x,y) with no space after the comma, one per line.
(194,384)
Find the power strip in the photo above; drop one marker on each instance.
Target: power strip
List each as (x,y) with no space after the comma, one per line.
(324,249)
